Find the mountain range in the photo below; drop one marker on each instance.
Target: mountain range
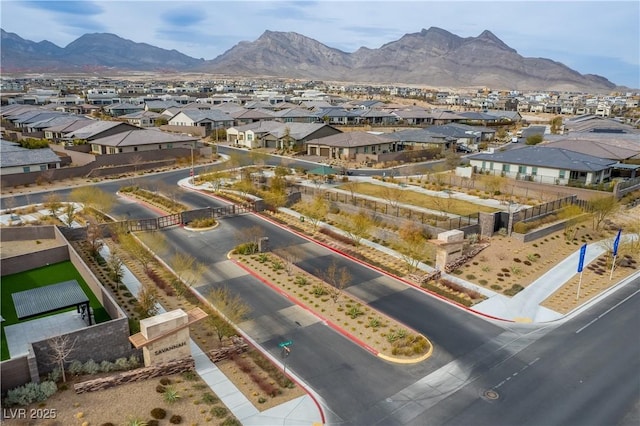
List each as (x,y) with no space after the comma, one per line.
(433,57)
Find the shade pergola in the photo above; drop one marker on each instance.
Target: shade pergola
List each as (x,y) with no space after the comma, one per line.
(43,300)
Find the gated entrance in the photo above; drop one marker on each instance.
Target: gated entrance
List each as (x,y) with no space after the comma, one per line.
(185,217)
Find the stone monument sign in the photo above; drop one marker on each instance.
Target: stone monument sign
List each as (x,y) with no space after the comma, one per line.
(165,337)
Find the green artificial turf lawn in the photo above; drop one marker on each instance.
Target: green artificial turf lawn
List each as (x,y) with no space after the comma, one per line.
(41,277)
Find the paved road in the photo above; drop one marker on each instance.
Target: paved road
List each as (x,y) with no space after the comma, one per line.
(584,372)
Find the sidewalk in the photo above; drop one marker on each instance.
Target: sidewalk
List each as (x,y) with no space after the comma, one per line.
(302,411)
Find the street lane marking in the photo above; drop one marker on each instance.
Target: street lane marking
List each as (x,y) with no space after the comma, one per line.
(607,311)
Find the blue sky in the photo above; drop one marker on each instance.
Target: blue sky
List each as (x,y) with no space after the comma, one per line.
(596,37)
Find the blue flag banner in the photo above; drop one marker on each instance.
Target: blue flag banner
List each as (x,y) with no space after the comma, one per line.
(616,242)
(583,251)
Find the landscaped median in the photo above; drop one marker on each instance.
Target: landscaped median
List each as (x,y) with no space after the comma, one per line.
(374,331)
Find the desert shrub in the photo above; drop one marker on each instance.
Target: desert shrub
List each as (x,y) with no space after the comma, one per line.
(219,412)
(134,421)
(337,236)
(54,375)
(247,248)
(171,395)
(133,362)
(496,287)
(106,366)
(153,422)
(158,413)
(471,277)
(175,419)
(374,322)
(231,421)
(354,312)
(160,389)
(204,222)
(189,375)
(210,399)
(122,364)
(483,282)
(75,367)
(301,280)
(90,367)
(29,393)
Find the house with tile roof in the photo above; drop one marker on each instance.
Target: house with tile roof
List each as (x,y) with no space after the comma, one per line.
(207,119)
(543,164)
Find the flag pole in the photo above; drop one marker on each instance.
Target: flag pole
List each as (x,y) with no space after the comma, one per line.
(583,251)
(579,284)
(613,265)
(616,242)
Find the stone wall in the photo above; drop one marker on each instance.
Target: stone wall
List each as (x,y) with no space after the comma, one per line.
(22,233)
(105,341)
(172,367)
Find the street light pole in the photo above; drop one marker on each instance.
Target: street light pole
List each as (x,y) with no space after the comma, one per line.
(192,171)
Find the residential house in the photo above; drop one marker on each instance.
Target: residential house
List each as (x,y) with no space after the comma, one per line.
(337,116)
(208,119)
(141,118)
(545,165)
(593,124)
(122,108)
(58,132)
(99,129)
(350,145)
(274,134)
(416,139)
(252,116)
(376,117)
(295,115)
(140,140)
(16,159)
(414,116)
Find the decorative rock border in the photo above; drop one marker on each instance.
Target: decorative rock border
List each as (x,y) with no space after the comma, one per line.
(144,373)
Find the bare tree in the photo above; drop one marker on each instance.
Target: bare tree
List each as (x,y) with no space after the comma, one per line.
(290,255)
(116,271)
(60,348)
(52,202)
(352,187)
(338,279)
(147,302)
(94,238)
(251,235)
(601,209)
(92,197)
(69,214)
(187,268)
(231,305)
(357,226)
(413,242)
(394,196)
(314,210)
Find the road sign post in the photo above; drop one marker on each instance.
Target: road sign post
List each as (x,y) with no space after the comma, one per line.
(583,251)
(286,350)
